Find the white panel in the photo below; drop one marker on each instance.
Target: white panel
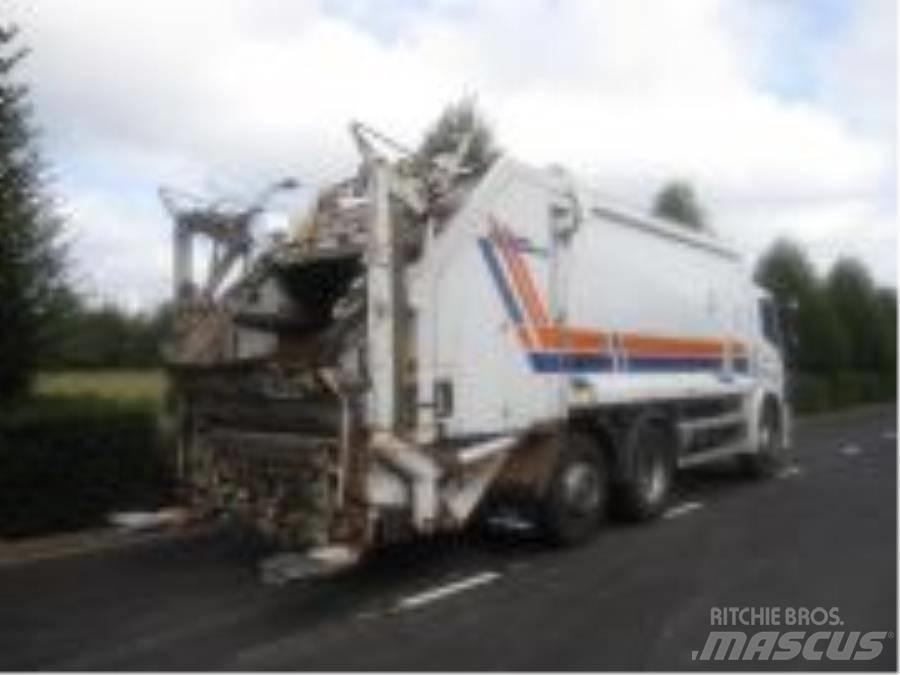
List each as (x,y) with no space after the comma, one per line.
(645,278)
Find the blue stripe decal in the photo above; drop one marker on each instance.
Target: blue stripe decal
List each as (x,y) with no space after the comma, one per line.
(687,364)
(670,364)
(560,362)
(505,292)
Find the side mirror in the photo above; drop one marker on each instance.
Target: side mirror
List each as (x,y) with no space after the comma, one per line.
(791,338)
(787,319)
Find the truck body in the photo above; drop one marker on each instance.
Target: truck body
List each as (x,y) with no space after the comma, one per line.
(432,342)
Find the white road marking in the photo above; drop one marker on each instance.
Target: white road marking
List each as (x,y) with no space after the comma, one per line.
(889,435)
(789,471)
(850,450)
(511,522)
(682,509)
(369,614)
(423,598)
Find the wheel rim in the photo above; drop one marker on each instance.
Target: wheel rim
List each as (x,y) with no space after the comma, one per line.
(653,475)
(769,444)
(581,489)
(765,437)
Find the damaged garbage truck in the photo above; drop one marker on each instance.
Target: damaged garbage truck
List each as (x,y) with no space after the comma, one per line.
(432,341)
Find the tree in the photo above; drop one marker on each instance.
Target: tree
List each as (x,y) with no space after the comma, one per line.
(457,120)
(852,295)
(886,301)
(31,251)
(677,202)
(886,308)
(109,337)
(821,342)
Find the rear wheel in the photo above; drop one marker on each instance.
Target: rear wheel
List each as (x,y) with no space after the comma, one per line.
(576,498)
(650,470)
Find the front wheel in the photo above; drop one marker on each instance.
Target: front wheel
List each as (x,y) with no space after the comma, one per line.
(576,498)
(771,454)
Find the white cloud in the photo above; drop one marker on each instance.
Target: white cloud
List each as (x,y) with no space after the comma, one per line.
(858,72)
(121,247)
(629,93)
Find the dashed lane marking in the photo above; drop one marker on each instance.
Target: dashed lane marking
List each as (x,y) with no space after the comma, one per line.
(367,614)
(789,472)
(851,450)
(511,523)
(682,509)
(440,592)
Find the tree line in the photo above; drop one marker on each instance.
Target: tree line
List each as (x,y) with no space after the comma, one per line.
(841,327)
(85,336)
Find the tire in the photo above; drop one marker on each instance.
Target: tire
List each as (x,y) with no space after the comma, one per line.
(646,485)
(576,498)
(771,454)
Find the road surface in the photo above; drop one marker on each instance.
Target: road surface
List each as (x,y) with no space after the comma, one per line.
(636,597)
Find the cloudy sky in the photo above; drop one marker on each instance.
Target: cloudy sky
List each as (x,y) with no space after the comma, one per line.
(782,114)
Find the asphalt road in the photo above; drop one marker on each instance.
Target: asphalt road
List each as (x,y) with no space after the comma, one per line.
(824,534)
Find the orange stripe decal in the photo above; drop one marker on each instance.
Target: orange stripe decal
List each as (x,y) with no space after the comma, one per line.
(529,286)
(642,344)
(520,278)
(516,274)
(571,339)
(525,337)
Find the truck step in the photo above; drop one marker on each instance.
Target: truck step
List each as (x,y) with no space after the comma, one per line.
(712,454)
(692,426)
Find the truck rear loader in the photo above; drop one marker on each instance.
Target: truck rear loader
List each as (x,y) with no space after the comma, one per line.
(434,341)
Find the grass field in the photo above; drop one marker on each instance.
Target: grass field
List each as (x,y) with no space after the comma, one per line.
(122,385)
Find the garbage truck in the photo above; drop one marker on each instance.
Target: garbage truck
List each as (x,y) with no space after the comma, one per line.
(432,341)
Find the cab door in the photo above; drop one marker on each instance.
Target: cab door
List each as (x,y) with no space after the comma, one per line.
(770,349)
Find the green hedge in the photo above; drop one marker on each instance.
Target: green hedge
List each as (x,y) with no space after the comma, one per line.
(66,463)
(811,393)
